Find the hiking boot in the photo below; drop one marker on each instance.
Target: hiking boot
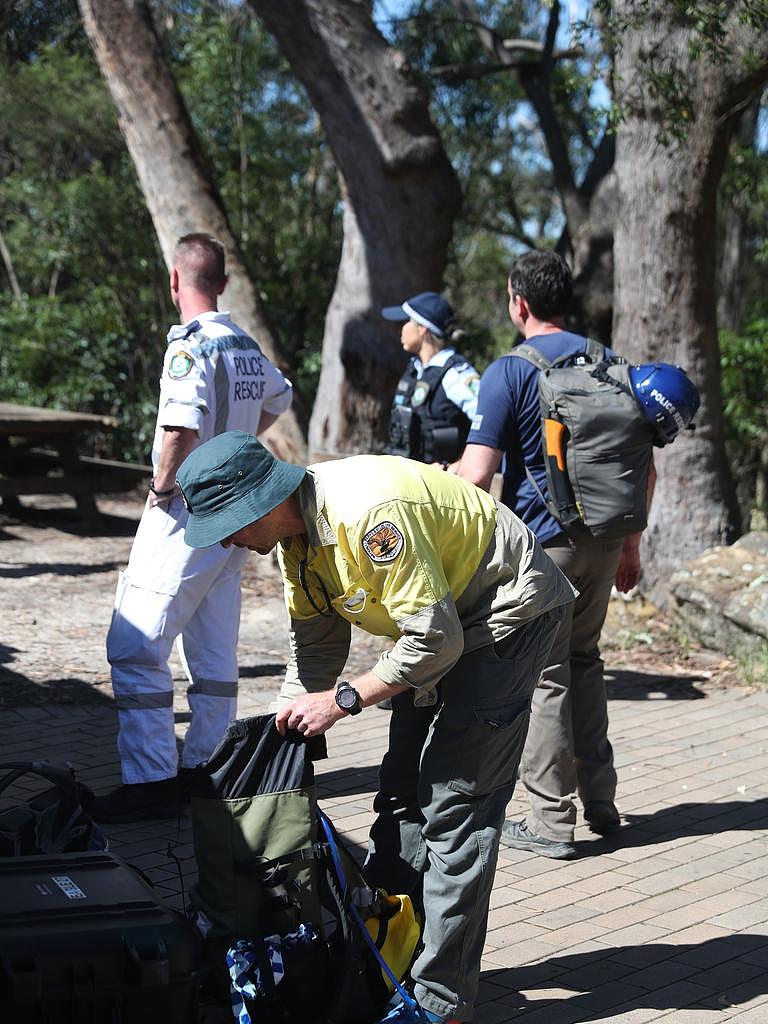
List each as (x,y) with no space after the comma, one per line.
(142,801)
(188,780)
(517,836)
(403,1014)
(602,817)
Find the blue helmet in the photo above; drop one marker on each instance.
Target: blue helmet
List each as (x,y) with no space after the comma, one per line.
(666,396)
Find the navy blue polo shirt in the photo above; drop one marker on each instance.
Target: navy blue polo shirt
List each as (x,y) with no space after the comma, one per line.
(508,418)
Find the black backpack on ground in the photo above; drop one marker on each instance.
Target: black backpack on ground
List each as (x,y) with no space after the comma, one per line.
(294,934)
(53,821)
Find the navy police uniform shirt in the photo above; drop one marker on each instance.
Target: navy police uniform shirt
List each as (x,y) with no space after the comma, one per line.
(508,418)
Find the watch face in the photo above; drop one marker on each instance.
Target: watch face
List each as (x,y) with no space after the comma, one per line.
(346,698)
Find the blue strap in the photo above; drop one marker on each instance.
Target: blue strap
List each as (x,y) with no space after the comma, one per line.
(409,1001)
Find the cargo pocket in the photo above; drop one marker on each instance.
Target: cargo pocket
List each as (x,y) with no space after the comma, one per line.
(138,622)
(483,745)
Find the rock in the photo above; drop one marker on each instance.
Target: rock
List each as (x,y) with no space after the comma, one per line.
(721,597)
(756,541)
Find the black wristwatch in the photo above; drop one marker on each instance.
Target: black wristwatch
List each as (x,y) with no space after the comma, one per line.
(347,698)
(161,494)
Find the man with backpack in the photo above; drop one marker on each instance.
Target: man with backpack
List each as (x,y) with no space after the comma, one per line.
(567,749)
(472,603)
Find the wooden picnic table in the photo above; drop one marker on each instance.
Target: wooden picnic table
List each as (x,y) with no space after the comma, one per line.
(39,454)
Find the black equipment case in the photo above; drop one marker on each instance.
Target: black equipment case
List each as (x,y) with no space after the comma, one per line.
(83,940)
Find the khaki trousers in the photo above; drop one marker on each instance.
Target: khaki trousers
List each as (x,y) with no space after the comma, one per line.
(567,748)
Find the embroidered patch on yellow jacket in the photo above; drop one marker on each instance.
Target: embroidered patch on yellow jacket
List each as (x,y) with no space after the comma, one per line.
(383,543)
(180,365)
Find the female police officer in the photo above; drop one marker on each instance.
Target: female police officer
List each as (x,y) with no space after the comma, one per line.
(435,398)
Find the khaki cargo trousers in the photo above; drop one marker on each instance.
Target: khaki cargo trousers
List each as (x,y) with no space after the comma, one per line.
(567,748)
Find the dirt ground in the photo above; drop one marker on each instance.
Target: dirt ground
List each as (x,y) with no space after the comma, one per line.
(59,578)
(58,584)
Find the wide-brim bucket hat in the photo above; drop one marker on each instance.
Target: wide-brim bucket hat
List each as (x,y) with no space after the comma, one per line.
(228,483)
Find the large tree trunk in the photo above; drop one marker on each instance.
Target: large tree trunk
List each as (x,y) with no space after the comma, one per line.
(664,258)
(177,184)
(400,198)
(588,242)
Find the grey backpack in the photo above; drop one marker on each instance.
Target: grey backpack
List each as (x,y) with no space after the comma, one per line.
(597,443)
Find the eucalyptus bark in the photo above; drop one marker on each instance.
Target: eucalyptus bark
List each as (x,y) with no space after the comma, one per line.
(178,186)
(400,197)
(664,255)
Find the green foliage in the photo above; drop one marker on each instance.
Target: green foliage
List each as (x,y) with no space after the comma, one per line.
(82,247)
(753,666)
(744,367)
(90,330)
(495,143)
(667,82)
(24,23)
(64,355)
(476,282)
(273,167)
(484,119)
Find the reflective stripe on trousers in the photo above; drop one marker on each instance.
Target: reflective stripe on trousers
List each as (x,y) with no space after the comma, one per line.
(170,590)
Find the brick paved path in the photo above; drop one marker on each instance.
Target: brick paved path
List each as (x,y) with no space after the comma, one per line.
(667,922)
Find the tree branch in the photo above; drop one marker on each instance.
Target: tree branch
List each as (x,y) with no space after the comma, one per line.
(511,231)
(541,49)
(534,78)
(456,74)
(5,253)
(600,165)
(552,25)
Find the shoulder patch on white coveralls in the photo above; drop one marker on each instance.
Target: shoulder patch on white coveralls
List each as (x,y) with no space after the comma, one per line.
(180,365)
(383,543)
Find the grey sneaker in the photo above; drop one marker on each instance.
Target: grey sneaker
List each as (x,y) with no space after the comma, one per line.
(602,817)
(517,836)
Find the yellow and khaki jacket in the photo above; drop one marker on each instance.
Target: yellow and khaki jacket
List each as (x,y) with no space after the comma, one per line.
(406,551)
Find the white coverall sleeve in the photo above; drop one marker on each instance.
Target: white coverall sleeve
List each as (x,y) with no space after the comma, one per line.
(183,388)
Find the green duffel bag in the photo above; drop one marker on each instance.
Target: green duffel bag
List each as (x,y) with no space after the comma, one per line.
(254,827)
(293,930)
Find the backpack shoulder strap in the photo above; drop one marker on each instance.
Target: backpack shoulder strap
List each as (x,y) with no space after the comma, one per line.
(531,355)
(62,778)
(600,372)
(594,351)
